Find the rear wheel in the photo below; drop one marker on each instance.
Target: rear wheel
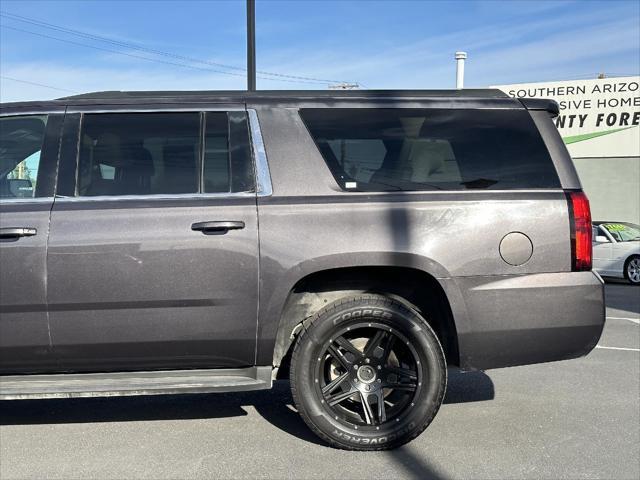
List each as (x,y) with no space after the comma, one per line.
(632,269)
(368,373)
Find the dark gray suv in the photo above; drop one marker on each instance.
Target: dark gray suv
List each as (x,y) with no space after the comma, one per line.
(357,243)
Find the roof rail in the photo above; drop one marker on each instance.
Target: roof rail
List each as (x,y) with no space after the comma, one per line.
(465,93)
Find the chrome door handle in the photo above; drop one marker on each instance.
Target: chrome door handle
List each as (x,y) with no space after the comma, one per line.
(17,232)
(217,227)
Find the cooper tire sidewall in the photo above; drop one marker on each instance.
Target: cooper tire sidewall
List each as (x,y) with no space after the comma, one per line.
(432,366)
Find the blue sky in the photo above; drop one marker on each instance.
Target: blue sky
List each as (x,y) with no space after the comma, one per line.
(383,44)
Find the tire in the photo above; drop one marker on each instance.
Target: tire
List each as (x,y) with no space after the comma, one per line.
(632,269)
(378,349)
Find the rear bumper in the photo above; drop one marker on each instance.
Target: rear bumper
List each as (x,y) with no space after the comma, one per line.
(526,319)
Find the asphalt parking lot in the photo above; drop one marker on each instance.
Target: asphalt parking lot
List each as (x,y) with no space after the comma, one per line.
(572,419)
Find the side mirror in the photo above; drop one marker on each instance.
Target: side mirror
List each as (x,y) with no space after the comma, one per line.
(601,239)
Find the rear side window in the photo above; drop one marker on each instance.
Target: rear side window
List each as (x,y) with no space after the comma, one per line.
(431,149)
(21,140)
(217,165)
(163,153)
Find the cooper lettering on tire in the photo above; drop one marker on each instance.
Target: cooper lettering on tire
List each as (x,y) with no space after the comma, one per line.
(368,373)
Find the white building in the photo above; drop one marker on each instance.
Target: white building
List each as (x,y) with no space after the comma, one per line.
(600,123)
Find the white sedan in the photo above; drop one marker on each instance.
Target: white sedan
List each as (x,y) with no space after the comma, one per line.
(616,250)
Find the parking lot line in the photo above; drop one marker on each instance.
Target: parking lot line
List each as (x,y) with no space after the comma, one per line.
(619,348)
(634,320)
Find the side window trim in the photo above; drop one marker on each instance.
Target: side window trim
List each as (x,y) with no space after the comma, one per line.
(67,184)
(68,157)
(264,188)
(242,177)
(50,156)
(155,196)
(201,150)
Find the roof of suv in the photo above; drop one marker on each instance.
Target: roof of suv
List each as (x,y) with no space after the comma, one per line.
(293,94)
(193,96)
(468,96)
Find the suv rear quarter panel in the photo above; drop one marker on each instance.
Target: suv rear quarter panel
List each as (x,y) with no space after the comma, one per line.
(309,225)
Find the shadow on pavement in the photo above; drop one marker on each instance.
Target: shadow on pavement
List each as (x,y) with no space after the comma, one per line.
(414,465)
(465,387)
(275,406)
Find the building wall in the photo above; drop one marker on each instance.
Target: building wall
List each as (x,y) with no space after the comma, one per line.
(613,187)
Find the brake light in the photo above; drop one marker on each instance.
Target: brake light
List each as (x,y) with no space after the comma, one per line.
(580,220)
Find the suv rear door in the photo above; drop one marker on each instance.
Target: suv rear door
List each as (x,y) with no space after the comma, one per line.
(28,158)
(153,253)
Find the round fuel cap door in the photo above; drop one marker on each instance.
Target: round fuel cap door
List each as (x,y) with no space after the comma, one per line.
(516,248)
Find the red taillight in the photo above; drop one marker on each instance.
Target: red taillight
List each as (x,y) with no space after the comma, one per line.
(580,219)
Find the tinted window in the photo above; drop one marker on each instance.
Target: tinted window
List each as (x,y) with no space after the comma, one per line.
(411,149)
(160,153)
(217,163)
(21,141)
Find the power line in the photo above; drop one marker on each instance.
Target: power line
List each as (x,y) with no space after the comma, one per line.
(90,36)
(140,57)
(132,55)
(119,52)
(40,23)
(37,84)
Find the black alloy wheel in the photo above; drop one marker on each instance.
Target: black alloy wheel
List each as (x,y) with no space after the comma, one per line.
(370,385)
(368,373)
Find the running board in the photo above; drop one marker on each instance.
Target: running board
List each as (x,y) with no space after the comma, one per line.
(72,385)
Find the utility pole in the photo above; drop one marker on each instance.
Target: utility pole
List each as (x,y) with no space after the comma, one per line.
(251,45)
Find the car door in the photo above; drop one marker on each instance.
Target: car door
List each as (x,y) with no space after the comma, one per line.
(602,251)
(28,156)
(153,250)
(623,248)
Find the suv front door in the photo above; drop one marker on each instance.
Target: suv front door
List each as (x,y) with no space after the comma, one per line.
(28,157)
(153,251)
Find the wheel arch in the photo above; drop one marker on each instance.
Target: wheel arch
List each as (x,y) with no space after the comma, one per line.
(415,287)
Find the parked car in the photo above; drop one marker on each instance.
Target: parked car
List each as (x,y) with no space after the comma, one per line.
(357,243)
(616,250)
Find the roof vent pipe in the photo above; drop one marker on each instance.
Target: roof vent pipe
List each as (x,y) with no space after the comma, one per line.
(460,58)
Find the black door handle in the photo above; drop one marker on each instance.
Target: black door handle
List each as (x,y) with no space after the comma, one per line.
(17,232)
(217,227)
